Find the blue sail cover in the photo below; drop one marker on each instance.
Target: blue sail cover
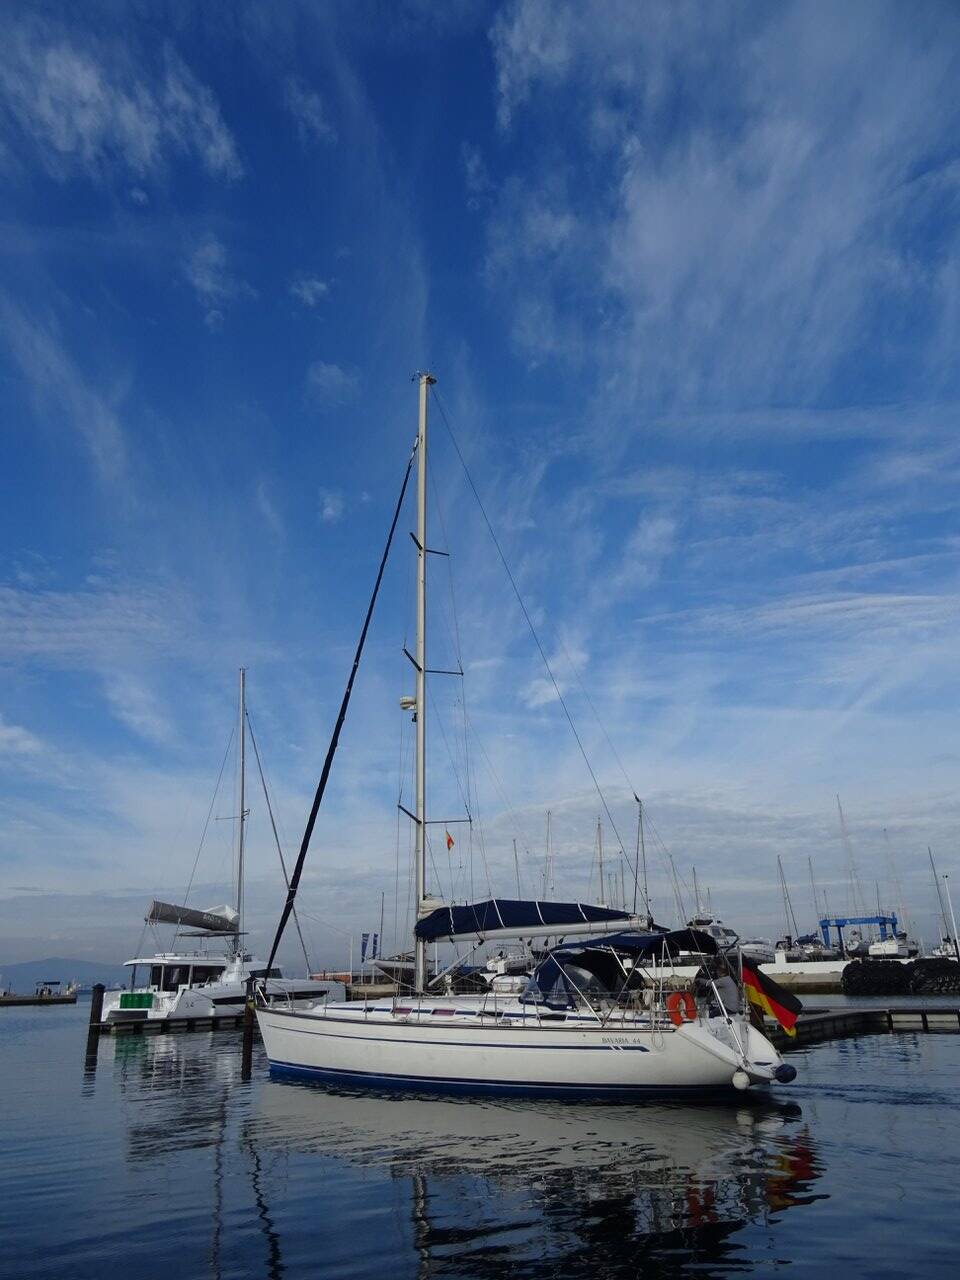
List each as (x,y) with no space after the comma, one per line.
(513,915)
(672,943)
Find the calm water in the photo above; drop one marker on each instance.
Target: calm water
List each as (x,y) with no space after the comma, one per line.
(162,1162)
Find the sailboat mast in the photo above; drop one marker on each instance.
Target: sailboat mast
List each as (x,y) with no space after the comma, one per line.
(600,858)
(953,918)
(813,888)
(936,885)
(420,951)
(546,863)
(242,766)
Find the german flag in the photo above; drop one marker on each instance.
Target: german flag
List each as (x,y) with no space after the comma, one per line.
(770,998)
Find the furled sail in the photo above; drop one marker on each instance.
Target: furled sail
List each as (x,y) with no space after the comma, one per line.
(511,917)
(216,920)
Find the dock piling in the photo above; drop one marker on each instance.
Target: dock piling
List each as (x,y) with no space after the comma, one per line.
(96,1005)
(246,1057)
(93,1028)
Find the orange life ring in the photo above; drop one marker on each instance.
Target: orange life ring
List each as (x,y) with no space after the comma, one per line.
(681,1007)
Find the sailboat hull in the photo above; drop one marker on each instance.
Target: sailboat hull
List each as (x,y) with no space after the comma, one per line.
(518,1055)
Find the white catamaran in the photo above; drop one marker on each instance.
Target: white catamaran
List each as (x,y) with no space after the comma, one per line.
(202,984)
(604,1014)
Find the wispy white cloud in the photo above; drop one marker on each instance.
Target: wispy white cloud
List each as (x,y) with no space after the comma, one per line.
(329,384)
(310,290)
(747,253)
(134,704)
(31,569)
(268,509)
(306,107)
(569,659)
(207,269)
(17,741)
(90,107)
(91,626)
(476,177)
(646,549)
(532,42)
(332,505)
(59,387)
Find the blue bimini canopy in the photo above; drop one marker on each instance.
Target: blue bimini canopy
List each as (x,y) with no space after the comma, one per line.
(593,965)
(510,916)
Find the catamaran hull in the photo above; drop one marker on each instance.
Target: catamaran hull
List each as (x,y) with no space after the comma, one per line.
(194,1004)
(570,1062)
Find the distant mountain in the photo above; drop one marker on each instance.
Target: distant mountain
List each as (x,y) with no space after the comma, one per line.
(23,977)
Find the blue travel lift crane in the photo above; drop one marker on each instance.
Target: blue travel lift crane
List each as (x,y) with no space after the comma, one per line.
(840,923)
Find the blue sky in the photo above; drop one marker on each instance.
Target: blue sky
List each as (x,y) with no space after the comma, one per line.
(689,277)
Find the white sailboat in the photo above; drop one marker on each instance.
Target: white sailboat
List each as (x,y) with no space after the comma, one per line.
(194,985)
(597,1018)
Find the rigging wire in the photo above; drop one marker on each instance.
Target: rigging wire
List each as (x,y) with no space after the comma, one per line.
(498,784)
(396,889)
(276,837)
(342,715)
(529,620)
(464,790)
(472,807)
(616,755)
(450,756)
(203,833)
(482,843)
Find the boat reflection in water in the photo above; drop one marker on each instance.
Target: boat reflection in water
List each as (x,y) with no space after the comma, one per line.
(265,1177)
(545,1188)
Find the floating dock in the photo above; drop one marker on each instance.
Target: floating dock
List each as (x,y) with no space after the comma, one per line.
(836,1024)
(70,998)
(169,1026)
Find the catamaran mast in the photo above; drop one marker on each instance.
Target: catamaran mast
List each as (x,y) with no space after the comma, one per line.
(242,765)
(420,951)
(936,885)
